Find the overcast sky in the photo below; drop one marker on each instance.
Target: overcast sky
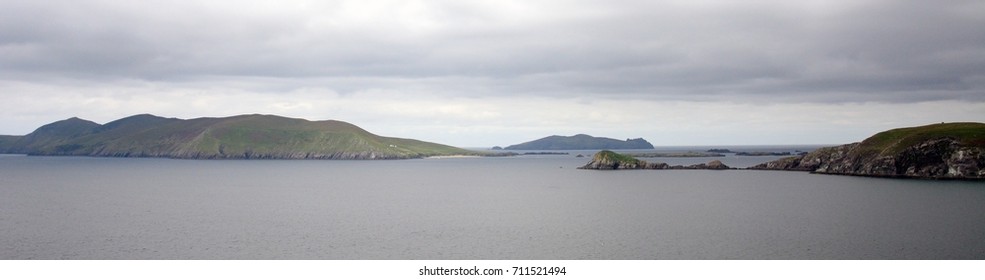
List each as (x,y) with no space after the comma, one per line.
(484,73)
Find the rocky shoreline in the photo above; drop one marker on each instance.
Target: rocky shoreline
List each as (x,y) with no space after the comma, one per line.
(944,158)
(916,153)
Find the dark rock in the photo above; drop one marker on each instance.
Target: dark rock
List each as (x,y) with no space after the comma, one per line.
(713,165)
(717,165)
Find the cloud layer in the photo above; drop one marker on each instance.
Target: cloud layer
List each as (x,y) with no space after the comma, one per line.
(451,69)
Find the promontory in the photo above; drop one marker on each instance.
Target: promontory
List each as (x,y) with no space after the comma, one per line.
(937,151)
(236,137)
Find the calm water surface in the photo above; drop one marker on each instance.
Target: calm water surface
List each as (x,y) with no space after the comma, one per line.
(527,207)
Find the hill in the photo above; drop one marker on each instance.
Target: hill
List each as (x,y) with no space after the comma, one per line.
(237,137)
(581,142)
(937,151)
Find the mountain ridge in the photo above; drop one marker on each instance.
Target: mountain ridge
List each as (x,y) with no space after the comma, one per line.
(236,137)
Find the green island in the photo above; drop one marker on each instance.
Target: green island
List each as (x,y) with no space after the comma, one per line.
(236,137)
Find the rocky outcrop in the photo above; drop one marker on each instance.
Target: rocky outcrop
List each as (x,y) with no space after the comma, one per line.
(713,165)
(609,160)
(937,158)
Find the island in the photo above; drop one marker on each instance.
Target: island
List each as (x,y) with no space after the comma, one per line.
(746,153)
(581,142)
(236,137)
(609,160)
(937,151)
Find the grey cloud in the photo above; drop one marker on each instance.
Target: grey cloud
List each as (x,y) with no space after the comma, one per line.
(886,51)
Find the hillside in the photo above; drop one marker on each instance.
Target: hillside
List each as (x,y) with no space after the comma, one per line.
(245,136)
(8,141)
(937,151)
(581,142)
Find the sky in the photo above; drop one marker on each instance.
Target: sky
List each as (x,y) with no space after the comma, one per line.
(485,73)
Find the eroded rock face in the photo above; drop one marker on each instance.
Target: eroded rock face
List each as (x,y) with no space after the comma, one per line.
(717,165)
(942,158)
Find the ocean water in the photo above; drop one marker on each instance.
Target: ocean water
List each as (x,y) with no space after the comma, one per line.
(525,207)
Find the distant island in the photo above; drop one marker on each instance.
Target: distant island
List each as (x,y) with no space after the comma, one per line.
(937,151)
(581,142)
(753,154)
(680,154)
(237,137)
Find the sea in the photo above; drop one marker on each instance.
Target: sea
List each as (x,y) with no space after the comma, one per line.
(522,207)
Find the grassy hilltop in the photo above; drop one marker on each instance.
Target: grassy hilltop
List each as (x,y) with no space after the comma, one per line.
(245,136)
(938,151)
(896,140)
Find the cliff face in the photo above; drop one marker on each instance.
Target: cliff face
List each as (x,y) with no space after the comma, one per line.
(931,156)
(609,160)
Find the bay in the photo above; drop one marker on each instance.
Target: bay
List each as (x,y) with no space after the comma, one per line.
(524,207)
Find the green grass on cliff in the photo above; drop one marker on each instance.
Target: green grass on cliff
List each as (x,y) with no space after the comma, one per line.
(611,156)
(894,141)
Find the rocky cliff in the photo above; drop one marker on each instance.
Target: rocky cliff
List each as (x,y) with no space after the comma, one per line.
(941,151)
(609,160)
